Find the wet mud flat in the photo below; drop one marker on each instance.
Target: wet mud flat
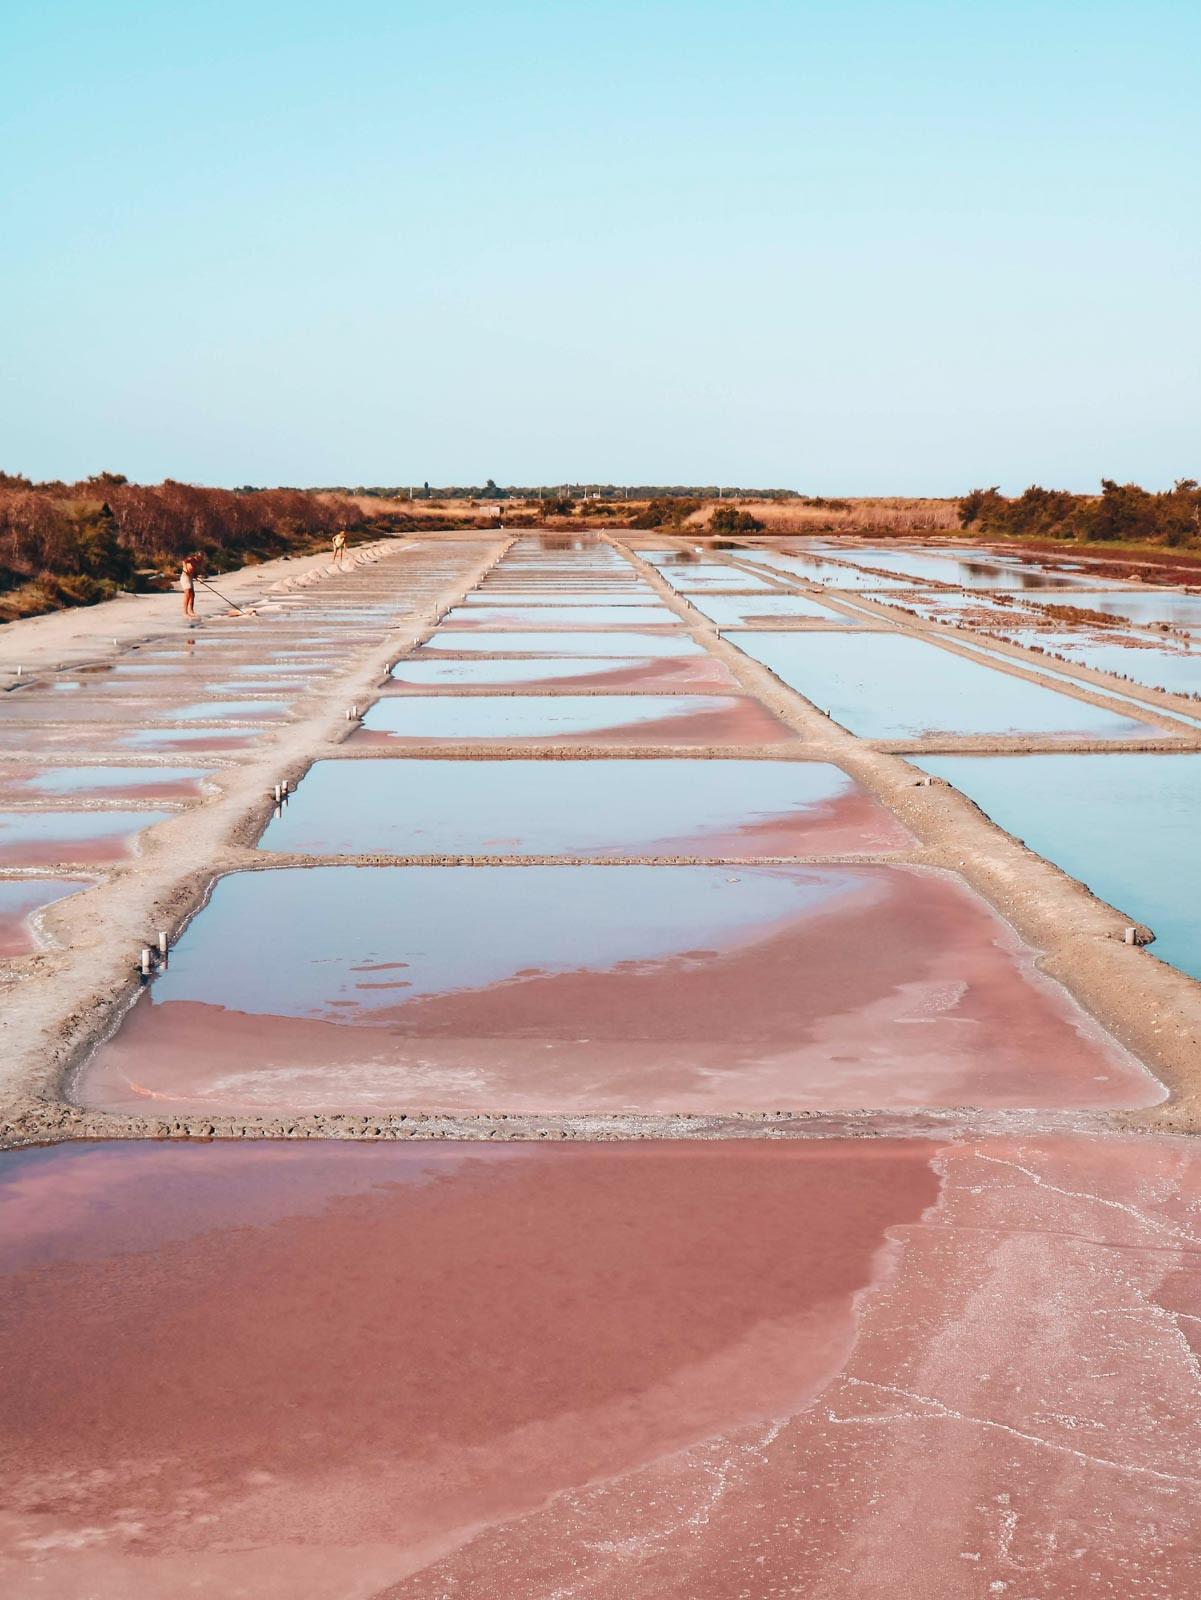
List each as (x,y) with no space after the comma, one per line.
(624,989)
(666,1370)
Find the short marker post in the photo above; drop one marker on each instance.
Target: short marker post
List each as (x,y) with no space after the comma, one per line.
(146,957)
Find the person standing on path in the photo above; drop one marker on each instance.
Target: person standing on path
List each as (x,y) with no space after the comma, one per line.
(188,574)
(339,546)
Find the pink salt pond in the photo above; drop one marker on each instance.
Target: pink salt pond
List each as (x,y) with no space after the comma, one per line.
(709,809)
(668,675)
(620,989)
(643,719)
(101,783)
(35,838)
(20,901)
(691,1371)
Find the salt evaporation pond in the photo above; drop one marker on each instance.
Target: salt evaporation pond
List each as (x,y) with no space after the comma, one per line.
(554,672)
(892,686)
(968,572)
(20,899)
(730,611)
(566,617)
(101,783)
(1127,825)
(692,1370)
(614,642)
(602,988)
(34,838)
(583,808)
(598,718)
(1175,671)
(1144,607)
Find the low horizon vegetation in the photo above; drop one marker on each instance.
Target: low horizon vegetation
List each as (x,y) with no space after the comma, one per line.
(68,544)
(1123,513)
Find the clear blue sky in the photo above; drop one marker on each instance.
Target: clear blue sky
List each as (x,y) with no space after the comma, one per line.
(852,246)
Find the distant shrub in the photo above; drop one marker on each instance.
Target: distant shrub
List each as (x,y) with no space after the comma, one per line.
(727,521)
(672,511)
(1122,512)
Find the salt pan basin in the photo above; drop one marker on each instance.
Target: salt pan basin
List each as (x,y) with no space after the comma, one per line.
(851,1369)
(712,809)
(566,672)
(602,988)
(34,838)
(608,642)
(1127,825)
(646,719)
(891,686)
(20,901)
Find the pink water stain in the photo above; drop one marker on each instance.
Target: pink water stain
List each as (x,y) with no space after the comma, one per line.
(1019,1416)
(619,990)
(860,1368)
(682,720)
(86,838)
(20,900)
(667,675)
(297,1371)
(42,783)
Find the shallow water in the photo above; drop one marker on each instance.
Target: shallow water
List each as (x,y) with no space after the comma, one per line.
(616,642)
(1176,671)
(399,1324)
(969,572)
(20,898)
(583,808)
(31,838)
(729,611)
(100,783)
(496,595)
(602,988)
(891,686)
(812,570)
(671,719)
(1145,606)
(552,616)
(690,672)
(226,710)
(1125,825)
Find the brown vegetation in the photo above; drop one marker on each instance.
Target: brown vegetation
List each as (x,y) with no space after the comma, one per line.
(886,516)
(1122,513)
(73,544)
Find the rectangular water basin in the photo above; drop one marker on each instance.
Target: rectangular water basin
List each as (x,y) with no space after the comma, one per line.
(1173,669)
(20,901)
(1145,607)
(1125,825)
(615,642)
(603,988)
(731,611)
(101,783)
(85,838)
(566,672)
(573,719)
(710,808)
(688,1370)
(808,569)
(496,595)
(892,686)
(551,616)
